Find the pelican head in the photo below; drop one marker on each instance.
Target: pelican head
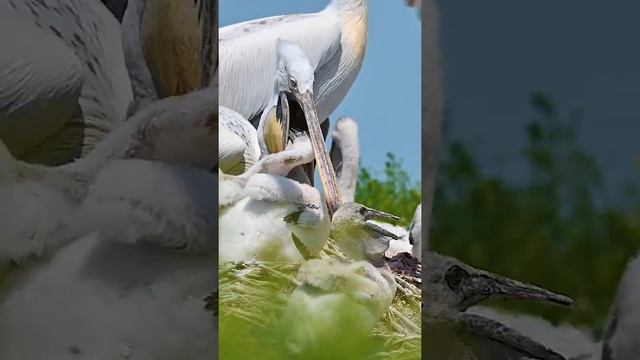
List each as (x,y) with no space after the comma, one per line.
(295,74)
(456,286)
(451,287)
(358,238)
(294,83)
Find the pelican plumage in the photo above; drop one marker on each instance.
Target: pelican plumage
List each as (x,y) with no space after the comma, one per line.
(345,156)
(621,338)
(101,299)
(415,233)
(334,40)
(264,215)
(333,301)
(359,238)
(293,77)
(60,98)
(136,267)
(174,130)
(238,146)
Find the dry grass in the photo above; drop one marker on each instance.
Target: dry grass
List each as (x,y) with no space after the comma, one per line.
(255,293)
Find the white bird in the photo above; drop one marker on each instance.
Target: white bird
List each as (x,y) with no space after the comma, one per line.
(333,39)
(359,238)
(238,139)
(60,97)
(126,291)
(345,156)
(238,147)
(622,335)
(266,216)
(415,234)
(99,299)
(173,130)
(334,307)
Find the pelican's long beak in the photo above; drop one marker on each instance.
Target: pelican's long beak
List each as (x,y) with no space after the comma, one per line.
(377,214)
(380,230)
(481,285)
(327,174)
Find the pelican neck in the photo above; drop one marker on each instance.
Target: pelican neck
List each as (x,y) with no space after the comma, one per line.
(347,5)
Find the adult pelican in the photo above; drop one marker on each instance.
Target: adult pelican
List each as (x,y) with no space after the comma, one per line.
(238,147)
(174,130)
(179,130)
(334,40)
(278,123)
(240,144)
(61,97)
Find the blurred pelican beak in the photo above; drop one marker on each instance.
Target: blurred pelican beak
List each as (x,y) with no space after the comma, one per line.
(327,174)
(380,230)
(377,214)
(481,285)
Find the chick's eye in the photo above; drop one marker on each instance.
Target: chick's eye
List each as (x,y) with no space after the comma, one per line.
(455,276)
(293,82)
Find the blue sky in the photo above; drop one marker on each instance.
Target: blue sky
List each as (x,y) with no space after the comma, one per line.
(385,99)
(584,53)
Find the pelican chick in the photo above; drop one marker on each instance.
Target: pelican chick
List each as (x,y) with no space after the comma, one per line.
(266,216)
(450,288)
(30,189)
(334,301)
(359,238)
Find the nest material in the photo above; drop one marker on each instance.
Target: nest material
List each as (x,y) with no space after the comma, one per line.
(245,289)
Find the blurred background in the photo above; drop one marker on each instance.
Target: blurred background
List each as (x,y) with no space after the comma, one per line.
(538,176)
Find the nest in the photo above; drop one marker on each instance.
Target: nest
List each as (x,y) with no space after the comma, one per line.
(254,294)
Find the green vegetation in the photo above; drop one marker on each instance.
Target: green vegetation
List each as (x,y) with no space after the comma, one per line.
(394,193)
(553,230)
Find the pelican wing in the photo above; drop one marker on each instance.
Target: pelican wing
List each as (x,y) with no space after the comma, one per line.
(238,143)
(93,34)
(231,153)
(248,57)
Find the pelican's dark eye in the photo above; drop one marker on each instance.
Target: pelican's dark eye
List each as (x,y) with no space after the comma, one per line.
(363,211)
(455,275)
(293,83)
